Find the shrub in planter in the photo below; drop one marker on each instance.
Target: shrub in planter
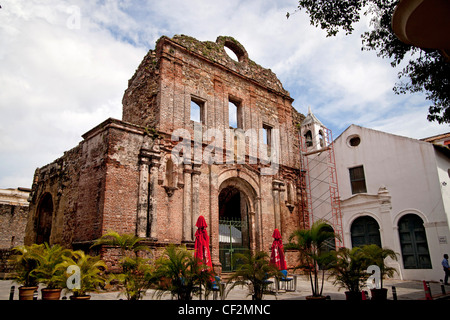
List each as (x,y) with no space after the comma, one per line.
(24,260)
(376,255)
(310,243)
(49,270)
(254,270)
(348,269)
(179,272)
(91,274)
(136,277)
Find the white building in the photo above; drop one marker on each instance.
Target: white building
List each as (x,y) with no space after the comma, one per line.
(395,191)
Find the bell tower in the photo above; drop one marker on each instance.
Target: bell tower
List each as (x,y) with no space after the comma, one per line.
(319,167)
(313,132)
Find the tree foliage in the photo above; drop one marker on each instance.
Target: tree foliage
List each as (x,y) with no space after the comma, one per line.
(426,70)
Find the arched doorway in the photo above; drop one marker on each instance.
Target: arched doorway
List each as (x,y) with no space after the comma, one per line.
(365,230)
(44,219)
(234,221)
(413,242)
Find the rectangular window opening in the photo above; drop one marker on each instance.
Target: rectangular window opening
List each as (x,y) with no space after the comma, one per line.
(234,115)
(197,110)
(357,180)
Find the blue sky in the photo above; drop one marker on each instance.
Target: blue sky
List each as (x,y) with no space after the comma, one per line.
(65,66)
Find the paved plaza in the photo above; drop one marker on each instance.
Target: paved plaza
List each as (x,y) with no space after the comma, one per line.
(406,290)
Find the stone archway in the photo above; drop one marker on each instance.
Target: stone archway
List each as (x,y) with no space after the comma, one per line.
(236,220)
(43,220)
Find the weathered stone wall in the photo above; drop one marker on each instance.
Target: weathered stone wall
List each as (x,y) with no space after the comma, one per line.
(122,176)
(13,220)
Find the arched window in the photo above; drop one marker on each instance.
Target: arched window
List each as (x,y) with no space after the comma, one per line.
(308,138)
(169,179)
(321,139)
(44,219)
(413,242)
(365,230)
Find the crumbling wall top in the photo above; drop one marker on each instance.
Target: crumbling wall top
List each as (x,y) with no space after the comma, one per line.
(215,52)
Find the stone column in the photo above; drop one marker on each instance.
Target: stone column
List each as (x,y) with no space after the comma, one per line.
(276,188)
(187,203)
(152,217)
(195,195)
(148,180)
(142,209)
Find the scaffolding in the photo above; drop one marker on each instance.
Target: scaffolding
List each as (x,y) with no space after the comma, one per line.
(318,167)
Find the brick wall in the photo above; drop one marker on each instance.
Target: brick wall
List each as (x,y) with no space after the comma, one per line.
(117,178)
(13,220)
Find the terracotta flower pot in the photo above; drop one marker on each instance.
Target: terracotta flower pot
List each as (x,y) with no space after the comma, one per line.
(51,294)
(353,296)
(379,294)
(315,298)
(86,297)
(27,293)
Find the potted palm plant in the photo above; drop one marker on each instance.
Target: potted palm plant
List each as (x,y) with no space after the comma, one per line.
(311,245)
(126,242)
(24,261)
(376,256)
(254,269)
(136,277)
(91,274)
(179,272)
(50,272)
(348,269)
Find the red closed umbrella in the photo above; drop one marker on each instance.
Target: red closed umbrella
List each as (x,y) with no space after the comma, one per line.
(202,243)
(277,255)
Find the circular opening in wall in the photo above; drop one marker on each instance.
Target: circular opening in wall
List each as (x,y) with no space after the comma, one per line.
(231,54)
(234,50)
(354,141)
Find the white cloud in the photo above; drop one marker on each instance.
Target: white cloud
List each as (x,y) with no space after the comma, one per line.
(58,80)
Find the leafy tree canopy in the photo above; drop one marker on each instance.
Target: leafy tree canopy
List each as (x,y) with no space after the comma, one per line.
(427,70)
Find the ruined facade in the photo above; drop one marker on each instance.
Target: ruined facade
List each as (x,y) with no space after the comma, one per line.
(201,134)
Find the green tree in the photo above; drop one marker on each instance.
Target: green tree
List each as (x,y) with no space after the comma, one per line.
(311,245)
(348,269)
(25,260)
(136,277)
(179,272)
(126,242)
(49,270)
(427,70)
(377,256)
(92,270)
(255,269)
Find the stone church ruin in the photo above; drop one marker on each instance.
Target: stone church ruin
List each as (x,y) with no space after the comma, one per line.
(143,175)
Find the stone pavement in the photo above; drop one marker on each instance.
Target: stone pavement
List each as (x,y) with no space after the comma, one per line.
(406,290)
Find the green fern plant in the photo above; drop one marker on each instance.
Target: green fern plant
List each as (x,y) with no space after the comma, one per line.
(310,243)
(348,269)
(24,260)
(254,269)
(136,277)
(91,269)
(49,270)
(180,273)
(126,242)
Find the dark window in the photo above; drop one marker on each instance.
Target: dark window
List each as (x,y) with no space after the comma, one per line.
(365,230)
(357,180)
(44,219)
(355,141)
(413,242)
(308,138)
(321,139)
(267,138)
